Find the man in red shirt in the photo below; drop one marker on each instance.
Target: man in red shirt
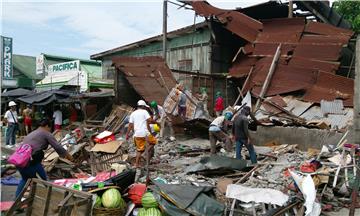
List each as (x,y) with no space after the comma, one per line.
(219,104)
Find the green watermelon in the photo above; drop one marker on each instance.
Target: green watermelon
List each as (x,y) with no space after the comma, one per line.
(141,212)
(97,202)
(111,198)
(153,212)
(148,200)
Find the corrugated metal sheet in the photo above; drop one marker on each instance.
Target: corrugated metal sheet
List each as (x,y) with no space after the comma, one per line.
(325,52)
(324,39)
(330,87)
(149,76)
(236,22)
(325,66)
(336,121)
(269,49)
(281,30)
(332,107)
(326,29)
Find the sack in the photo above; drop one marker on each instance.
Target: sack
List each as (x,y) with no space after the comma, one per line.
(136,192)
(21,157)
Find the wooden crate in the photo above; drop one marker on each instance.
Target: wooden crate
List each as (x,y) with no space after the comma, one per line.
(46,198)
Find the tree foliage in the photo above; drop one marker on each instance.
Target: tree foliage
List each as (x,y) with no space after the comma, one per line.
(351,12)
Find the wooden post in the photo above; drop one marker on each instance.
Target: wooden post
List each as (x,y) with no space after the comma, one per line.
(290,15)
(269,76)
(164,28)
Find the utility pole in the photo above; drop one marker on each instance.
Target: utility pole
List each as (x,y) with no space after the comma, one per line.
(356,125)
(164,28)
(291,6)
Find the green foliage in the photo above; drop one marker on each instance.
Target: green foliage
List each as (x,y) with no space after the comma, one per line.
(351,12)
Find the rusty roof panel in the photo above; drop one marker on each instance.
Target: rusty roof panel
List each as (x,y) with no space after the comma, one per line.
(326,29)
(323,52)
(205,9)
(149,76)
(269,49)
(239,71)
(330,67)
(285,79)
(282,30)
(236,22)
(331,87)
(322,39)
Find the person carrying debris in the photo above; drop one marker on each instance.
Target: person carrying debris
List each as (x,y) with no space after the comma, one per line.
(218,131)
(27,113)
(12,124)
(203,98)
(219,104)
(161,117)
(241,134)
(139,122)
(182,101)
(39,141)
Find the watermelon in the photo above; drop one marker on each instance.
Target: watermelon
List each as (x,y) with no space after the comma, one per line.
(148,201)
(97,202)
(141,212)
(111,198)
(153,212)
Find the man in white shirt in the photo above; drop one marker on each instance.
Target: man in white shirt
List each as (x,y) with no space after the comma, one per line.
(218,131)
(139,122)
(12,122)
(57,116)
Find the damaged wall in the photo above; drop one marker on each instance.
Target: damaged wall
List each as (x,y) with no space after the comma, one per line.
(305,138)
(189,43)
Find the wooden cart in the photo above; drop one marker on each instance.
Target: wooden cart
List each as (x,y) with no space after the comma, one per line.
(46,199)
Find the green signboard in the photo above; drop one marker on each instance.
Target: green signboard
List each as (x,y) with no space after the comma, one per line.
(6,57)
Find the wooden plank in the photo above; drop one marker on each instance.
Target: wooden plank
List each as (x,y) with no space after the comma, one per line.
(32,194)
(47,200)
(269,76)
(17,203)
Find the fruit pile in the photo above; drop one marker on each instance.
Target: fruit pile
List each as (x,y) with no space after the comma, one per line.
(150,206)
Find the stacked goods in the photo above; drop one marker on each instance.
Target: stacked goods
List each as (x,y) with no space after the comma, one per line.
(149,212)
(150,206)
(148,201)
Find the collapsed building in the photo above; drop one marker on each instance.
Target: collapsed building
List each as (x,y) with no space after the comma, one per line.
(299,68)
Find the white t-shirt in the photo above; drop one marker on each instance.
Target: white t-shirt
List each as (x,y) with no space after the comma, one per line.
(139,118)
(58,117)
(10,117)
(217,124)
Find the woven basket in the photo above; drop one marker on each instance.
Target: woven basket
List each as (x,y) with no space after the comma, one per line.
(108,211)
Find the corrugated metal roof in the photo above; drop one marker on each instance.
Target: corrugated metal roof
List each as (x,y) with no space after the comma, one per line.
(326,29)
(325,66)
(269,49)
(325,52)
(26,65)
(281,30)
(336,121)
(332,107)
(150,76)
(330,87)
(236,22)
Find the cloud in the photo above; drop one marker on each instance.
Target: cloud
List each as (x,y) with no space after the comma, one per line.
(99,25)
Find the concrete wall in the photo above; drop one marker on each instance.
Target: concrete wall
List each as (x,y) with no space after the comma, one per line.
(305,138)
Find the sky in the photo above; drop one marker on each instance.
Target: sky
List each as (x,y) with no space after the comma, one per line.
(82,28)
